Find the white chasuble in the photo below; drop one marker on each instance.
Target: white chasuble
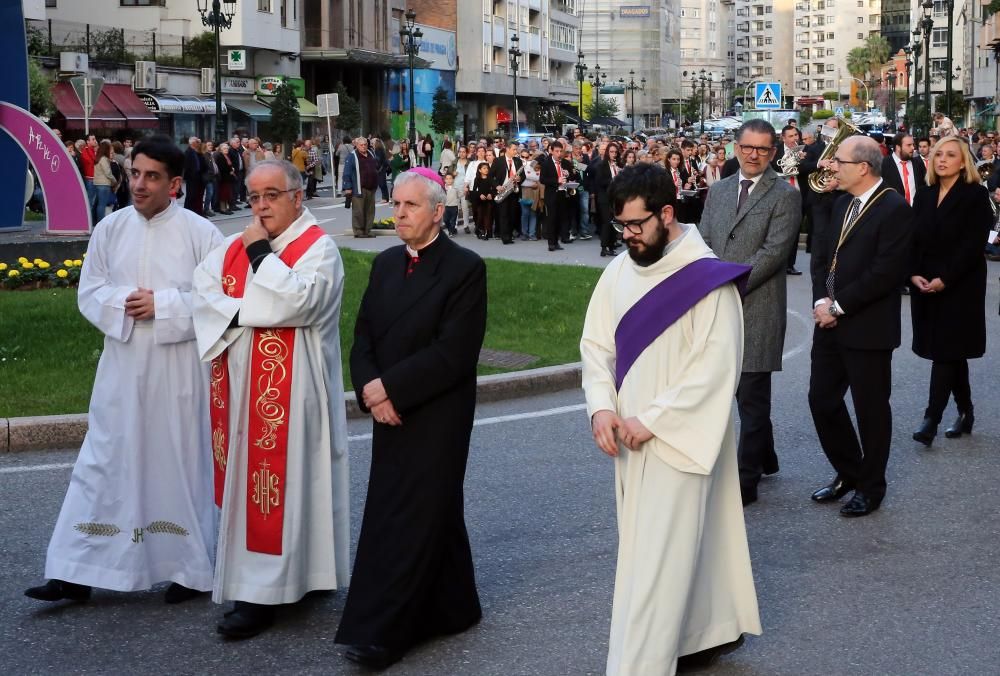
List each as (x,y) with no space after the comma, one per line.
(315,529)
(683,581)
(139,506)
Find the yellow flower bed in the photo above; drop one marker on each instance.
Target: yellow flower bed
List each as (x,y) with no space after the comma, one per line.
(39,273)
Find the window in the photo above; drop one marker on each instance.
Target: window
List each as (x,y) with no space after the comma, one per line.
(861,19)
(50,3)
(562,36)
(135,3)
(263,5)
(768,25)
(830,51)
(829,36)
(830,68)
(861,3)
(768,40)
(861,36)
(767,10)
(939,37)
(940,7)
(768,71)
(938,66)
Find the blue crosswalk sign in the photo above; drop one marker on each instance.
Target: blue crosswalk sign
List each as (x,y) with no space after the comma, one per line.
(767,95)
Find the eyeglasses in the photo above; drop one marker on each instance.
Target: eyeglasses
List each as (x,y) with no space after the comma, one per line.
(268,195)
(635,227)
(749,150)
(837,160)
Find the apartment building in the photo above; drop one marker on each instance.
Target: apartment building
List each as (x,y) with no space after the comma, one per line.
(825,32)
(642,38)
(546,31)
(981,37)
(764,33)
(705,46)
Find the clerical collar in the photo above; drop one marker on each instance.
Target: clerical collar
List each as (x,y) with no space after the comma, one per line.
(416,254)
(685,228)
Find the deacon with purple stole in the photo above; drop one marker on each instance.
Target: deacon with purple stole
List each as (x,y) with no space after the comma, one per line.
(662,351)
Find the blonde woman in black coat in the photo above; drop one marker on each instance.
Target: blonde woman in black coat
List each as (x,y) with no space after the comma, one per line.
(952,216)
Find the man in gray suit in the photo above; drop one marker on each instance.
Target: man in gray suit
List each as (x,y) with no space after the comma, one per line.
(752,217)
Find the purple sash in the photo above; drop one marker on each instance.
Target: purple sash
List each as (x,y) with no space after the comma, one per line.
(667,302)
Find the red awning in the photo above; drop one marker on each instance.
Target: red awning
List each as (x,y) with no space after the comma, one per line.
(103,116)
(137,115)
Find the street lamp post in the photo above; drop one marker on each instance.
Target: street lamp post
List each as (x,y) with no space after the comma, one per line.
(703,78)
(927,24)
(597,80)
(410,38)
(515,63)
(581,76)
(917,47)
(947,97)
(219,17)
(891,78)
(631,87)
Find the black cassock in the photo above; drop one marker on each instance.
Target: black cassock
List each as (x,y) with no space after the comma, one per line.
(413,576)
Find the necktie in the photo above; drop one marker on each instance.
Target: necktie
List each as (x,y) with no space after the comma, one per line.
(411,263)
(852,215)
(744,193)
(906,183)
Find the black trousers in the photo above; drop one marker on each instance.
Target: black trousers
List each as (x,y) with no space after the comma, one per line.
(868,374)
(556,221)
(947,378)
(756,445)
(607,232)
(505,216)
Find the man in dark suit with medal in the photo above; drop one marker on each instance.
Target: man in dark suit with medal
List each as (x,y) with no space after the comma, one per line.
(554,173)
(507,213)
(858,264)
(417,339)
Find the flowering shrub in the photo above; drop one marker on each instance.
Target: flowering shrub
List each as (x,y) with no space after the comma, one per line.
(40,274)
(386,223)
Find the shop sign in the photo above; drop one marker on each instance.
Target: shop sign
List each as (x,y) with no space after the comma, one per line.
(268,84)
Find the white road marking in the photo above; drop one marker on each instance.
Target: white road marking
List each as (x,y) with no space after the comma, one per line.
(806,342)
(496,420)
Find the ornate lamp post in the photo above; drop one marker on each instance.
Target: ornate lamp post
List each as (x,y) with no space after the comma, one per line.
(917,46)
(581,76)
(891,79)
(410,39)
(703,78)
(597,80)
(631,87)
(950,4)
(219,17)
(515,63)
(927,25)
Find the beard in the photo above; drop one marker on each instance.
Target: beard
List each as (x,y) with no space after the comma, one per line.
(646,253)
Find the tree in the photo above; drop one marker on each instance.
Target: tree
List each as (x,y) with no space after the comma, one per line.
(39,90)
(857,62)
(959,106)
(108,45)
(831,96)
(285,120)
(199,51)
(603,107)
(805,116)
(444,114)
(350,111)
(692,108)
(878,49)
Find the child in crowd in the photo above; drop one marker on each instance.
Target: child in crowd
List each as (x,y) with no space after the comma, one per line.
(450,204)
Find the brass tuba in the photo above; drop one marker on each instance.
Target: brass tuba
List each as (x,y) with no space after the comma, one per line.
(820,179)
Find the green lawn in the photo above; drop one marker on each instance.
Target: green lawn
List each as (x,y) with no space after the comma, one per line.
(48,352)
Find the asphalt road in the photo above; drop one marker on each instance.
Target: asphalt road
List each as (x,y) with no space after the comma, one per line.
(912,589)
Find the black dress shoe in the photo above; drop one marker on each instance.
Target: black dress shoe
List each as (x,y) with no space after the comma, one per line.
(705,658)
(793,272)
(57,590)
(834,491)
(555,248)
(178,593)
(748,494)
(860,505)
(962,425)
(246,620)
(926,433)
(606,251)
(374,656)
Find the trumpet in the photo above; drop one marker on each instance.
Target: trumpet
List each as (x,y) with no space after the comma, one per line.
(820,179)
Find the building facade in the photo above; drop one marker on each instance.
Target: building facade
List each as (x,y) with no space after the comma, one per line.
(825,32)
(764,32)
(706,47)
(547,32)
(645,38)
(938,54)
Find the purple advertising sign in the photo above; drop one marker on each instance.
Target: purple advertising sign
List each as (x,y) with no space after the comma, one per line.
(67,208)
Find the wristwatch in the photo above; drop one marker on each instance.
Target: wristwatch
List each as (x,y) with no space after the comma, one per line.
(833,311)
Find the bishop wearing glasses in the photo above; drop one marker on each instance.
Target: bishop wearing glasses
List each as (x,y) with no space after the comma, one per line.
(266,315)
(662,347)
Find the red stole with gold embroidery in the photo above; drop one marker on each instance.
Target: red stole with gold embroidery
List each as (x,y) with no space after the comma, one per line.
(270,382)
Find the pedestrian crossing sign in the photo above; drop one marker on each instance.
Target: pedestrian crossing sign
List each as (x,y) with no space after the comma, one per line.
(767,95)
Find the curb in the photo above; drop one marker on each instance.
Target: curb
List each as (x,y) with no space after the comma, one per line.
(40,433)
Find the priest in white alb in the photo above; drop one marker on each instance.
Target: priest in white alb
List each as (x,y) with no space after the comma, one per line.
(267,308)
(139,506)
(662,350)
